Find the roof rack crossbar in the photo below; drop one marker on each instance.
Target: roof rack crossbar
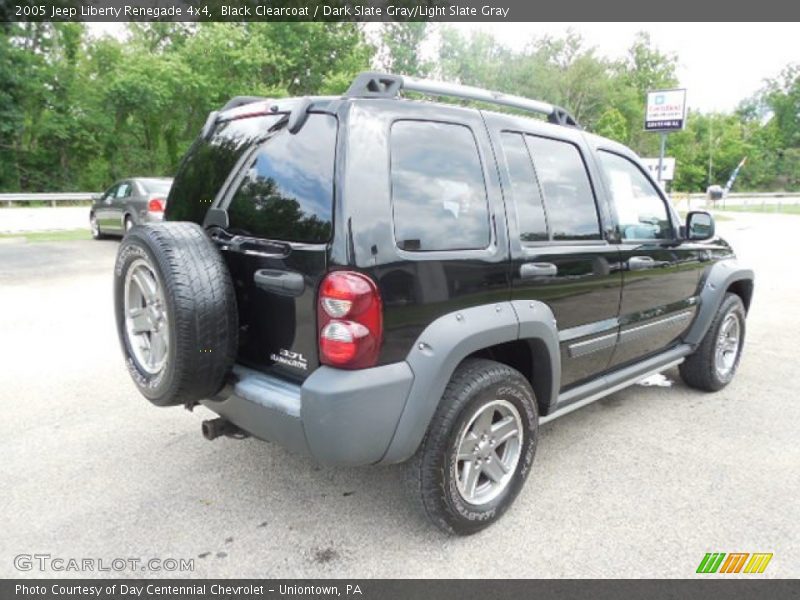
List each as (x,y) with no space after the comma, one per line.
(384,85)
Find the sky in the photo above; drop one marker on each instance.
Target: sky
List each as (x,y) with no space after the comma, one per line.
(720,64)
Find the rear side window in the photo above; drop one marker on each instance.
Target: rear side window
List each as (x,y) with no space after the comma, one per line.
(525,190)
(287,192)
(438,192)
(568,196)
(208,164)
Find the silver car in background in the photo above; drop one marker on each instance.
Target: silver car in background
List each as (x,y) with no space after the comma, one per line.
(127,203)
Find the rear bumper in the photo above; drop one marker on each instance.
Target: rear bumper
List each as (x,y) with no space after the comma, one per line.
(338,417)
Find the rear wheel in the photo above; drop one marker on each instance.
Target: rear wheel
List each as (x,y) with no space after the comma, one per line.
(176,312)
(714,363)
(479,448)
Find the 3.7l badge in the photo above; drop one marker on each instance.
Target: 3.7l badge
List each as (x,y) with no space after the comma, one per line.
(290,359)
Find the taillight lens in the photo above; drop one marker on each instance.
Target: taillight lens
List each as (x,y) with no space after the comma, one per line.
(350,316)
(156,205)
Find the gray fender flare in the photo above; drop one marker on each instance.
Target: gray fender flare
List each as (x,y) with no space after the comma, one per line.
(718,279)
(449,340)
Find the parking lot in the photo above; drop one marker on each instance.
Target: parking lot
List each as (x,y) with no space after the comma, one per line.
(641,484)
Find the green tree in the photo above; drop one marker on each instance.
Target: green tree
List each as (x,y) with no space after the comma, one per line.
(401,48)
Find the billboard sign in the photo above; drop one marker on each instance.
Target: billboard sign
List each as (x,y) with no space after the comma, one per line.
(667,168)
(665,110)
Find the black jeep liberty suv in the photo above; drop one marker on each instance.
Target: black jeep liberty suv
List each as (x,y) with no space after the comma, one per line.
(374,279)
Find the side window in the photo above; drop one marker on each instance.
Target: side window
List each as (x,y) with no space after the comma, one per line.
(111,193)
(568,196)
(525,189)
(438,193)
(287,193)
(641,212)
(124,190)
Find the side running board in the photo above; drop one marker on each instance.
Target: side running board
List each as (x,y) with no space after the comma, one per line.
(615,381)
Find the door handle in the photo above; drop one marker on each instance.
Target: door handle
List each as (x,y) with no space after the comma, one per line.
(637,263)
(537,269)
(283,283)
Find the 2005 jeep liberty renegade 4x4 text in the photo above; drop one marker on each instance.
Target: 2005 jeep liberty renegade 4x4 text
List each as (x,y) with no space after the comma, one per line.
(372,279)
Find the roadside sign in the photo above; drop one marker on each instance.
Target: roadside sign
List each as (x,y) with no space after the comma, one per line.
(665,110)
(667,168)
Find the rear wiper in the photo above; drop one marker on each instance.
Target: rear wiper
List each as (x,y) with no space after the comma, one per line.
(249,245)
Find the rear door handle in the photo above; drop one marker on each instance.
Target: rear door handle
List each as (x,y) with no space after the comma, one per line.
(637,263)
(537,269)
(283,283)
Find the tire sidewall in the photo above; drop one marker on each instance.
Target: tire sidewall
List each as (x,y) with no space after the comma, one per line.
(731,305)
(476,517)
(152,386)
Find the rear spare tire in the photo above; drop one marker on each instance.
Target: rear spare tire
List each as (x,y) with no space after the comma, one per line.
(175,309)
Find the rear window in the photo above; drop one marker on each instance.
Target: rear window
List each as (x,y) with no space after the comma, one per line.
(287,191)
(156,186)
(438,192)
(208,164)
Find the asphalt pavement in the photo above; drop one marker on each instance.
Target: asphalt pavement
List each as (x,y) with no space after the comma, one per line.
(640,484)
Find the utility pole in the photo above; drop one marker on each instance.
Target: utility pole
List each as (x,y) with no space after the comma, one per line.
(710,149)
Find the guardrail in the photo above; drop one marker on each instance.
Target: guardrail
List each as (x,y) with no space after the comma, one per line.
(52,198)
(702,201)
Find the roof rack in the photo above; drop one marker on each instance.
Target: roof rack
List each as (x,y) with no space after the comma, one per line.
(384,85)
(238,101)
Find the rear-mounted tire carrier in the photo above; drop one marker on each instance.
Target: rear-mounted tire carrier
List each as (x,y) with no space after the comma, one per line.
(176,314)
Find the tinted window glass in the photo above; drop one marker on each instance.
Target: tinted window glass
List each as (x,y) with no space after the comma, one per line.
(287,193)
(571,210)
(208,164)
(524,189)
(438,192)
(641,212)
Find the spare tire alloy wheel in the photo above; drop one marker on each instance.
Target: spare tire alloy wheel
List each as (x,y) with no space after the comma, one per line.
(146,321)
(176,313)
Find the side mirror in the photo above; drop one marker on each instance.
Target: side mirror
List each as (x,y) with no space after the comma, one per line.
(699,226)
(96,197)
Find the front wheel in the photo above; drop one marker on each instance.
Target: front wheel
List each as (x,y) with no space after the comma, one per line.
(714,363)
(95,227)
(479,448)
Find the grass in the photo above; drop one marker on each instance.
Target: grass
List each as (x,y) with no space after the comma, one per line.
(782,209)
(66,235)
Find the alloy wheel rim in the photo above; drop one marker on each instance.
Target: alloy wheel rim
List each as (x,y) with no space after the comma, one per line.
(93,225)
(488,452)
(727,349)
(146,323)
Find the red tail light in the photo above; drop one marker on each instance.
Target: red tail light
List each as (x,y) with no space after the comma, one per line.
(155,205)
(350,316)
